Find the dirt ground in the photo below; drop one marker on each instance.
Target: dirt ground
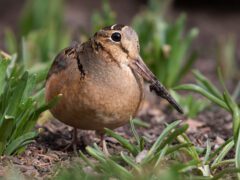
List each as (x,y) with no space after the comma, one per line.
(43,156)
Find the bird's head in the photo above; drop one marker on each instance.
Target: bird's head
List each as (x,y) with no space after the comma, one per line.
(119,41)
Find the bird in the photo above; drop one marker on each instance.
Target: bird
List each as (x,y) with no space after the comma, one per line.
(101,81)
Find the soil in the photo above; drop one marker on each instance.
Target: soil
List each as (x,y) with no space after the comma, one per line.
(42,157)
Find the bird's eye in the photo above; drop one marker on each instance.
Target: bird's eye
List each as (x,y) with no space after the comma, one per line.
(116,37)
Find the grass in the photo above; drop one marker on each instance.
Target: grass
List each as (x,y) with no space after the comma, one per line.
(224,100)
(21,103)
(191,105)
(164,159)
(41,26)
(23,75)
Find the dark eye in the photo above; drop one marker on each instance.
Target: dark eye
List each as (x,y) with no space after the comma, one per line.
(116,37)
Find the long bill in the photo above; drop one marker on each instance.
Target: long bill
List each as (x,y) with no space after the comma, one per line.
(139,66)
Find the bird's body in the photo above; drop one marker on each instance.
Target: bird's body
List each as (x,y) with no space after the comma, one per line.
(105,94)
(101,80)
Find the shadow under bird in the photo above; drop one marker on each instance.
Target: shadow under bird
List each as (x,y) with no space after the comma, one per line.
(101,81)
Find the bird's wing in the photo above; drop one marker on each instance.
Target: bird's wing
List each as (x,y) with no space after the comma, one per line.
(63,59)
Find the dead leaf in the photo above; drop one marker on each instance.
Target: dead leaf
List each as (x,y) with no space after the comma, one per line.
(194,125)
(141,156)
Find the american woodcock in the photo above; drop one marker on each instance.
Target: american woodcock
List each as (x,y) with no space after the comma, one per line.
(101,80)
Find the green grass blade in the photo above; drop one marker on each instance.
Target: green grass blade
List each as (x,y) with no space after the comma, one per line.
(124,142)
(17,96)
(95,153)
(45,107)
(85,159)
(140,123)
(30,86)
(118,171)
(219,149)
(160,140)
(191,149)
(17,143)
(6,129)
(234,109)
(130,162)
(161,155)
(208,151)
(223,163)
(108,166)
(207,84)
(177,147)
(200,90)
(174,135)
(223,153)
(237,156)
(3,72)
(136,135)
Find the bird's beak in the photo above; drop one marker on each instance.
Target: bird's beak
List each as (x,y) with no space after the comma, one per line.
(139,66)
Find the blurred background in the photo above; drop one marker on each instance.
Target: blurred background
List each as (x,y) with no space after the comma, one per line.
(217,22)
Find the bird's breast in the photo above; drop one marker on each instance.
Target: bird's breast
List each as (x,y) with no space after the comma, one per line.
(108,95)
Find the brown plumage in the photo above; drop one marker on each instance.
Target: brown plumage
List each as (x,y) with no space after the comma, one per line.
(101,80)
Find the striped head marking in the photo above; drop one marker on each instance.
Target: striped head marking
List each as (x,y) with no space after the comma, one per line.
(120,41)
